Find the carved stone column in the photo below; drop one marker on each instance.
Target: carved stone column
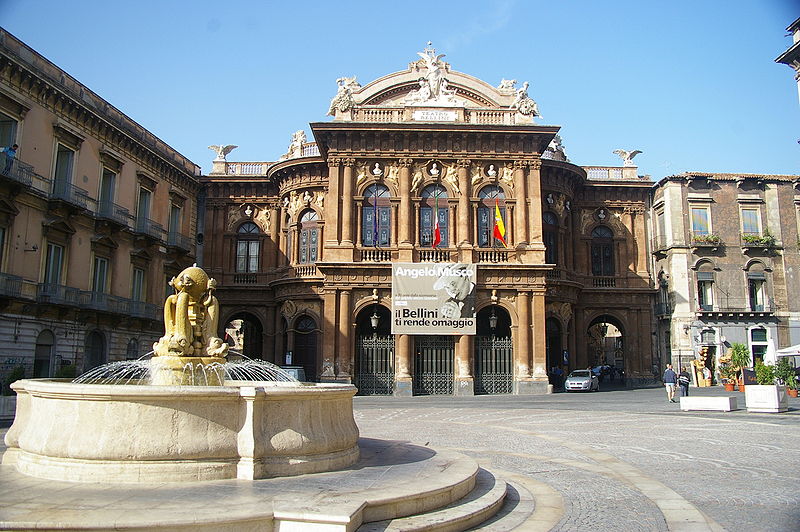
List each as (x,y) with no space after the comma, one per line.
(539,351)
(406,222)
(534,181)
(463,202)
(344,351)
(268,337)
(280,346)
(464,382)
(403,360)
(521,211)
(283,232)
(347,202)
(522,354)
(332,203)
(271,244)
(329,334)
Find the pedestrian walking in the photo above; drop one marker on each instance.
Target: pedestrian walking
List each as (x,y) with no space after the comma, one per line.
(683,381)
(10,152)
(670,379)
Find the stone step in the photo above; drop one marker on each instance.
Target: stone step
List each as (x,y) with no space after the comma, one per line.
(480,504)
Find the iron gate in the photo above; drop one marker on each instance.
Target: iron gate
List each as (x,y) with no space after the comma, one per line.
(375,365)
(494,365)
(433,365)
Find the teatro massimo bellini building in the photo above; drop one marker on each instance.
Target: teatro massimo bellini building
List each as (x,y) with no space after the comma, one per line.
(302,248)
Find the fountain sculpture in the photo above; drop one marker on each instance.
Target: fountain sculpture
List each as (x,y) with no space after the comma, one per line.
(173,429)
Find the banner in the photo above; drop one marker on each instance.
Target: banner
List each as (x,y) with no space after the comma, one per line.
(433,298)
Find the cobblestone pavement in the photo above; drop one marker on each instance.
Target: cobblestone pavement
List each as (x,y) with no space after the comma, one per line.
(620,459)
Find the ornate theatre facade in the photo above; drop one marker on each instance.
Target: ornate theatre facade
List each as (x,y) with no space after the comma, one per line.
(303,247)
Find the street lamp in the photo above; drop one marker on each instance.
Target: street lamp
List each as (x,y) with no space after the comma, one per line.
(374,319)
(493,320)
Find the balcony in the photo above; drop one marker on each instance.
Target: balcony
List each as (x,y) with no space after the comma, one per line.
(140,309)
(69,193)
(706,241)
(752,241)
(146,226)
(10,285)
(434,255)
(57,294)
(179,241)
(604,282)
(16,170)
(662,309)
(737,307)
(375,255)
(494,255)
(112,212)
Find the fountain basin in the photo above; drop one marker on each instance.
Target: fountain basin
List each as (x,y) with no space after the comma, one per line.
(145,433)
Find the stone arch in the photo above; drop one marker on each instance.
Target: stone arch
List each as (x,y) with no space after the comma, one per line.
(44,354)
(243,330)
(96,350)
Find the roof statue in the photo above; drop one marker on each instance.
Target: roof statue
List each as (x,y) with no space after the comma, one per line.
(434,88)
(222,150)
(507,84)
(343,101)
(296,146)
(627,156)
(523,103)
(555,150)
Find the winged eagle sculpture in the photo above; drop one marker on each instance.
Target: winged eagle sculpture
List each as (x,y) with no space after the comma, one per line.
(222,151)
(627,156)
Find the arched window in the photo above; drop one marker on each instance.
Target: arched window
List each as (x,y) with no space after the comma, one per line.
(309,237)
(705,286)
(433,206)
(376,216)
(247,248)
(43,356)
(602,251)
(132,351)
(95,352)
(550,234)
(757,287)
(490,196)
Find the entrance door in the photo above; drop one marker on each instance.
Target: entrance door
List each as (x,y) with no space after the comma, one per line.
(375,365)
(494,371)
(95,350)
(305,347)
(433,365)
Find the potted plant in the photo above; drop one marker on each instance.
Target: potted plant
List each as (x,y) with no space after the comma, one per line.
(740,359)
(766,396)
(784,372)
(729,374)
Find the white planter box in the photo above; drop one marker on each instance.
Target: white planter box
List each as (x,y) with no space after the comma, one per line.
(770,398)
(8,407)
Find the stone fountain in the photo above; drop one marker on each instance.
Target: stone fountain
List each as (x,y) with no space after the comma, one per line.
(172,429)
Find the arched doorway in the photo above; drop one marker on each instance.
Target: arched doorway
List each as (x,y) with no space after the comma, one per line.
(243,334)
(95,352)
(374,361)
(305,346)
(43,361)
(494,352)
(606,345)
(553,348)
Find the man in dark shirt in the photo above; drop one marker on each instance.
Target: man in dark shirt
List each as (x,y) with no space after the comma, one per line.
(670,379)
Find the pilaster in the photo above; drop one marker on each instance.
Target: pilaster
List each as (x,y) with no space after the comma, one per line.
(464,214)
(402,359)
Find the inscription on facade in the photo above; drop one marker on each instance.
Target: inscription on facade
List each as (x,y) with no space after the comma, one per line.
(435,116)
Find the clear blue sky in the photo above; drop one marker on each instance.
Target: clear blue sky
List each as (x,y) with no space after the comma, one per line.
(693,84)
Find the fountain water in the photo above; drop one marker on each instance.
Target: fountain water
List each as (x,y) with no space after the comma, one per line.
(185,414)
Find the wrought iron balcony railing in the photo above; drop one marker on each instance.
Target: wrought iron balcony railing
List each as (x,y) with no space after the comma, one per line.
(146,226)
(179,241)
(57,294)
(10,285)
(70,193)
(108,210)
(16,170)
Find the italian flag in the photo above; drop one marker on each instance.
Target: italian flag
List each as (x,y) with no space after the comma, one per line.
(499,226)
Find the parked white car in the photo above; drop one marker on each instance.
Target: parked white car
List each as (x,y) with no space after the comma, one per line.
(582,380)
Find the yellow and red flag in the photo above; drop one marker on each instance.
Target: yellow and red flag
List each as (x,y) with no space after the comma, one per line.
(499,226)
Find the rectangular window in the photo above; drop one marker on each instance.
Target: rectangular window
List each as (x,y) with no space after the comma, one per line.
(65,158)
(54,263)
(174,220)
(137,285)
(143,206)
(700,221)
(755,288)
(751,222)
(705,291)
(106,196)
(100,276)
(247,256)
(8,130)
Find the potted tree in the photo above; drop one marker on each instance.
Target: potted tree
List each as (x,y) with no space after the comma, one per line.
(730,375)
(766,396)
(740,359)
(784,372)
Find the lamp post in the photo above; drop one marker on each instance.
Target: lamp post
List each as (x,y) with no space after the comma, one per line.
(374,320)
